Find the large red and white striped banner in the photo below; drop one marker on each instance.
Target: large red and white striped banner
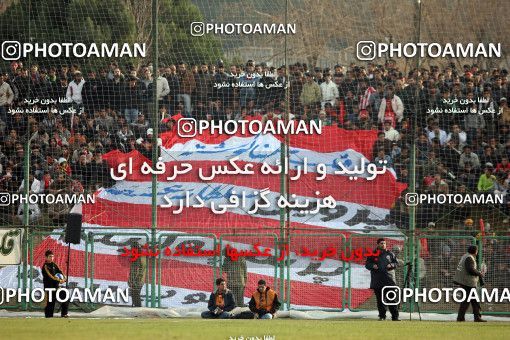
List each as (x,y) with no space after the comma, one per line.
(362,207)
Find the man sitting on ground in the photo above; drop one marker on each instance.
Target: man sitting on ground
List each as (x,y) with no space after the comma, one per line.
(264,302)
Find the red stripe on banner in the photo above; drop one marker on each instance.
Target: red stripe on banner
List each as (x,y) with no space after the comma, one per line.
(331,139)
(193,277)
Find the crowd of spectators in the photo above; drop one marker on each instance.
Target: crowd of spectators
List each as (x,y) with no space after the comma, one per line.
(458,118)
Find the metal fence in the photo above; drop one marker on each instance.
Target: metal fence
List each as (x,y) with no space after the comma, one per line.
(296,271)
(325,45)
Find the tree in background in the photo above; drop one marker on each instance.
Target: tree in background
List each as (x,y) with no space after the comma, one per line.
(112,21)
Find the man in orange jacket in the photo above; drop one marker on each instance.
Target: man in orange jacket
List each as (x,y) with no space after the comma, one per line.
(264,302)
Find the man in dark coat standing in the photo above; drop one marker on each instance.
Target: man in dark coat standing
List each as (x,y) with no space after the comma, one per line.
(382,274)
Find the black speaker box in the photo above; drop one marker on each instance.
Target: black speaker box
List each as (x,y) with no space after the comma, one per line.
(73,230)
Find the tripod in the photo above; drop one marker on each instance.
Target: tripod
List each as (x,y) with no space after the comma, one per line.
(67,280)
(409,279)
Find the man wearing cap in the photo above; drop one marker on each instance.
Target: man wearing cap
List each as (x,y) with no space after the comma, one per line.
(264,302)
(382,273)
(467,277)
(144,146)
(140,126)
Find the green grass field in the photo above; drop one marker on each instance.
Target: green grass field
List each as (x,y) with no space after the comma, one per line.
(95,329)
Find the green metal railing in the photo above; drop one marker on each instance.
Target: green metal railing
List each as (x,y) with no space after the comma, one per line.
(341,245)
(32,266)
(90,237)
(445,257)
(494,250)
(160,238)
(438,259)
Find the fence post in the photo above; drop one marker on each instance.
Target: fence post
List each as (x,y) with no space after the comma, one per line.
(155,147)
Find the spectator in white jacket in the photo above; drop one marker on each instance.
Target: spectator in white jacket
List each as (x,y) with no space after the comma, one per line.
(34,211)
(438,133)
(162,87)
(391,107)
(459,134)
(329,91)
(390,133)
(6,97)
(162,91)
(75,88)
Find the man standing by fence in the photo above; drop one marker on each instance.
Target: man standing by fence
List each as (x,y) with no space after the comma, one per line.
(467,277)
(237,276)
(136,279)
(382,273)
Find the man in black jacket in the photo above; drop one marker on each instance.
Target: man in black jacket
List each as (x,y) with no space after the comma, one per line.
(467,277)
(221,302)
(51,281)
(382,273)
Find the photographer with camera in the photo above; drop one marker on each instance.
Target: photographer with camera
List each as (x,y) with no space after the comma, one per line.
(382,274)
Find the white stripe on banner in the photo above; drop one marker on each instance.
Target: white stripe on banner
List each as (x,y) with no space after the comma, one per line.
(262,148)
(140,193)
